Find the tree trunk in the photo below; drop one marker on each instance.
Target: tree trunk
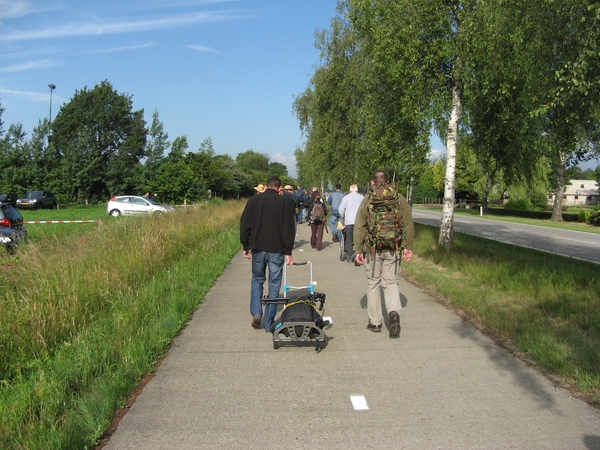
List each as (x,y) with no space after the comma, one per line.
(560,188)
(409,193)
(489,182)
(446,228)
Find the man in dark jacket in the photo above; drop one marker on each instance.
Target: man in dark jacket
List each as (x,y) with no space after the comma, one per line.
(267,235)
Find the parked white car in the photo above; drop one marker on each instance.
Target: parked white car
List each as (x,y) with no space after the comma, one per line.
(133,205)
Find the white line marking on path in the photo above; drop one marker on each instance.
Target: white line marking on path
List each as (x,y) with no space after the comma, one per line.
(359,402)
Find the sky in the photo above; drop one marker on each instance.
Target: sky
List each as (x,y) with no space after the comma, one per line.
(228,70)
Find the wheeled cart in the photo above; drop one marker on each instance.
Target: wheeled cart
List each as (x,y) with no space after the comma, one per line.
(300,323)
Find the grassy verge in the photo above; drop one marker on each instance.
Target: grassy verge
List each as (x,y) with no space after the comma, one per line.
(573,226)
(547,306)
(86,316)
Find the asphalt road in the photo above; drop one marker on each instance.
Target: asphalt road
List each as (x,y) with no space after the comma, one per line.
(576,244)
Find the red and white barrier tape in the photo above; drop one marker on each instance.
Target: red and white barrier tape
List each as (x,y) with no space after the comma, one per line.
(59,221)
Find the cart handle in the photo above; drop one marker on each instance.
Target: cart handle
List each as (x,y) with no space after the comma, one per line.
(303,263)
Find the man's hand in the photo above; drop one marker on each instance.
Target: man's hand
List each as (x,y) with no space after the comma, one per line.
(247,253)
(360,258)
(407,255)
(289,260)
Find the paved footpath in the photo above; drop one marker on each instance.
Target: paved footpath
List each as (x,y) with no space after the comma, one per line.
(442,385)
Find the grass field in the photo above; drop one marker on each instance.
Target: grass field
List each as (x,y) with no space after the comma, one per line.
(88,310)
(573,226)
(86,315)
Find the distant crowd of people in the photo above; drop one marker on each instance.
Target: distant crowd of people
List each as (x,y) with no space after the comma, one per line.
(377,230)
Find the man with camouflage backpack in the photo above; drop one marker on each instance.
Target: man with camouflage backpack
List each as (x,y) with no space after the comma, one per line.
(383,237)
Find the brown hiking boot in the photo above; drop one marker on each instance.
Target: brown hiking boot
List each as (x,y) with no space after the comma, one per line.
(394,324)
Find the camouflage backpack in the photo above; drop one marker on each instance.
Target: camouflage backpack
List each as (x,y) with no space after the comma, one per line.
(384,224)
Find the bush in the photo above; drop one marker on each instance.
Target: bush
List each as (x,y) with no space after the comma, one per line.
(582,216)
(594,218)
(538,200)
(522,204)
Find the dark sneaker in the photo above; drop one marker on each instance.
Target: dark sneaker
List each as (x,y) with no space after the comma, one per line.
(374,328)
(256,322)
(334,238)
(394,324)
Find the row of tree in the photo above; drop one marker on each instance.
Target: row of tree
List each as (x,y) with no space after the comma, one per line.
(99,146)
(515,85)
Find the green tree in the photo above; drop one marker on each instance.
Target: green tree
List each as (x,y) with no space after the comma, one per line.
(44,162)
(100,139)
(175,182)
(16,161)
(567,86)
(206,166)
(252,160)
(499,93)
(178,149)
(277,169)
(156,146)
(330,112)
(421,48)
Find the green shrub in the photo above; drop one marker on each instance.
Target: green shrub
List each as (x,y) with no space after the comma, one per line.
(594,218)
(538,200)
(522,204)
(582,216)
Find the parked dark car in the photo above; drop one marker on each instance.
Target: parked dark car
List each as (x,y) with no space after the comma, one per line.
(8,199)
(37,199)
(12,231)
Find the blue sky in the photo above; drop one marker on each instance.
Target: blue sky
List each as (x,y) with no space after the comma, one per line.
(224,69)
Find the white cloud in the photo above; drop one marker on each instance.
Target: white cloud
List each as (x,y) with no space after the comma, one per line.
(202,48)
(288,161)
(31,65)
(122,49)
(31,96)
(11,9)
(101,27)
(161,4)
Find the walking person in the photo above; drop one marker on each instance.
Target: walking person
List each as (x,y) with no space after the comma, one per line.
(317,211)
(299,193)
(288,191)
(307,200)
(383,236)
(267,237)
(334,201)
(348,209)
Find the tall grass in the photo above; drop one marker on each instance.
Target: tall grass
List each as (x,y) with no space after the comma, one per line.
(546,305)
(86,316)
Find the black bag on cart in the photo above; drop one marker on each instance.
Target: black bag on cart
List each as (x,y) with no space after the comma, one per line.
(301,311)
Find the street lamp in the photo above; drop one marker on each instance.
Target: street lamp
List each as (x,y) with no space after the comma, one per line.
(52,87)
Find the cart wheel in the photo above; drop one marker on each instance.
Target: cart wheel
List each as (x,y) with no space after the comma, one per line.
(275,345)
(318,346)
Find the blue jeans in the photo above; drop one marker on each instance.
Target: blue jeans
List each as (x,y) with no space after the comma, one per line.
(300,209)
(333,220)
(260,261)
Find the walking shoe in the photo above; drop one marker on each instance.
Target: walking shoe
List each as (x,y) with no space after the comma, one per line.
(334,238)
(256,322)
(374,328)
(394,324)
